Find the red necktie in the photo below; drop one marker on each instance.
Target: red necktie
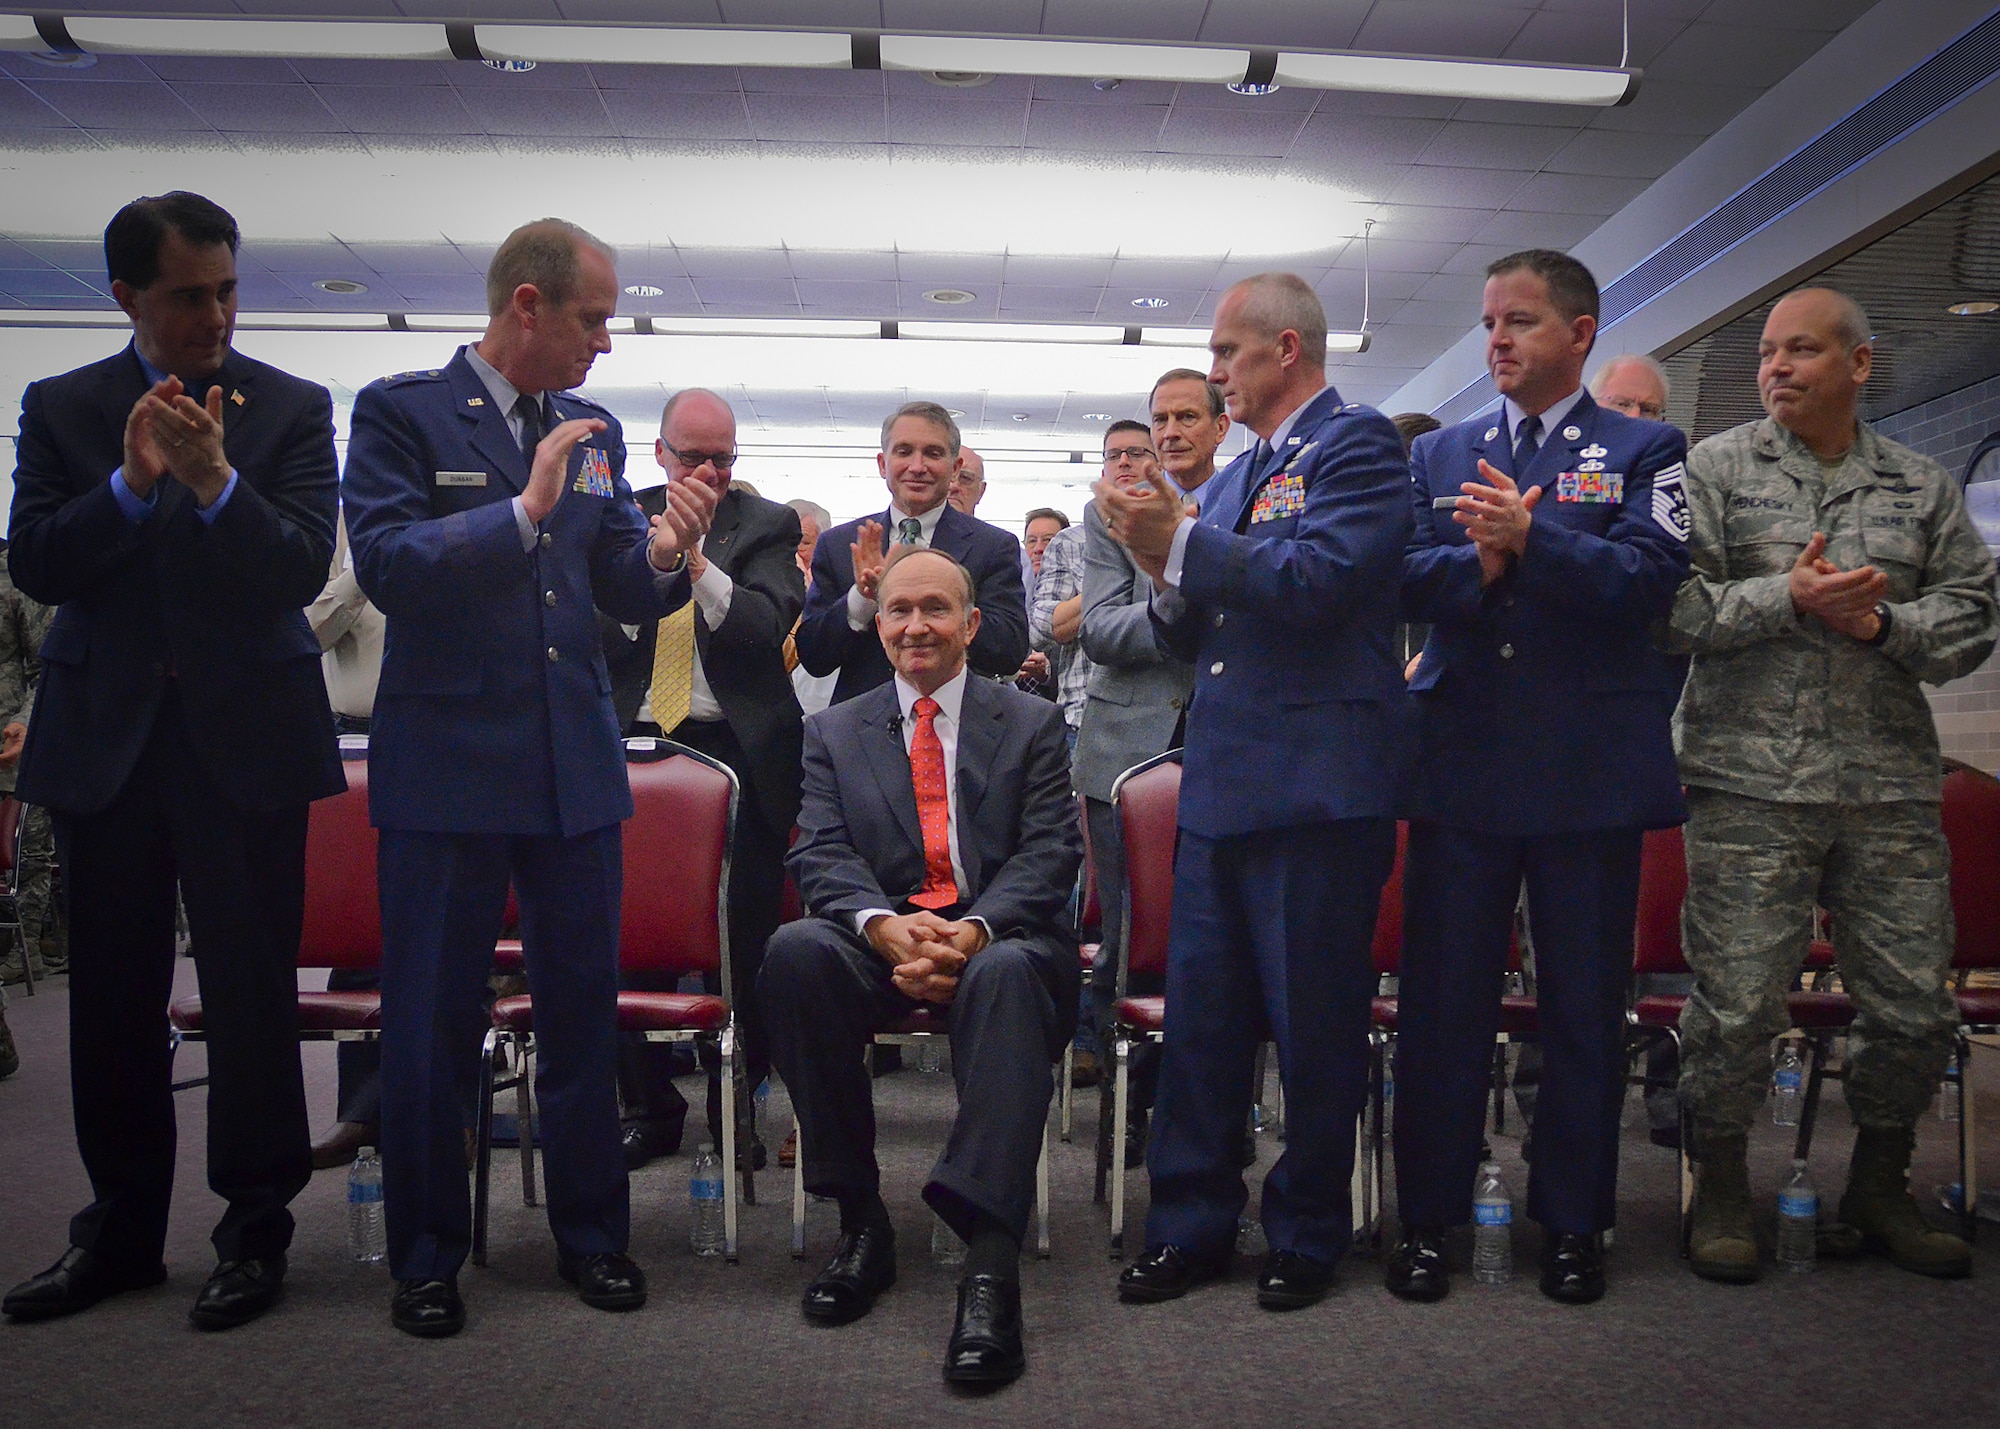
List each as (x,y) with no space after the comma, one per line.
(940,889)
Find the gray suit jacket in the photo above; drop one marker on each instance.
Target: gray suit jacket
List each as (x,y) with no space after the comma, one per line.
(860,845)
(1137,688)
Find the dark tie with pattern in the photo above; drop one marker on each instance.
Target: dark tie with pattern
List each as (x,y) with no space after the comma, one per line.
(1527,441)
(910,532)
(529,410)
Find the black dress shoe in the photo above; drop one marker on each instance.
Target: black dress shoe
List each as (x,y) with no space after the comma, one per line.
(985,1346)
(428,1309)
(648,1139)
(1167,1272)
(76,1282)
(1291,1281)
(1572,1268)
(238,1292)
(1416,1269)
(604,1282)
(863,1266)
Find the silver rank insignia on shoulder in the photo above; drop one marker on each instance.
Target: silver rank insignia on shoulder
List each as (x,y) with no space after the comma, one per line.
(1596,449)
(1572,432)
(1491,433)
(475,401)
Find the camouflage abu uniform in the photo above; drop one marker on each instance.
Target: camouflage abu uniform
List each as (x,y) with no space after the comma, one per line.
(1813,762)
(23,623)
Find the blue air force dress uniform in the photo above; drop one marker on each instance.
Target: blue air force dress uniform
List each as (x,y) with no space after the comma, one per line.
(1286,603)
(1543,708)
(494,755)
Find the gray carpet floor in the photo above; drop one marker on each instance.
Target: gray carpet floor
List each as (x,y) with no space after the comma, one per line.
(1854,1343)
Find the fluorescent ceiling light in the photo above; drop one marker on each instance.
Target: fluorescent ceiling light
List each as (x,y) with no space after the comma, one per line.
(593,44)
(858,200)
(1010,332)
(327,39)
(1079,59)
(1459,79)
(18,32)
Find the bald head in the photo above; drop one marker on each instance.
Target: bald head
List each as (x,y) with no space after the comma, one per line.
(697,439)
(1812,360)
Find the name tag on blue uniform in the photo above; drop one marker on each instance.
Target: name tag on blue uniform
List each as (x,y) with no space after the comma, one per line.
(461,478)
(593,477)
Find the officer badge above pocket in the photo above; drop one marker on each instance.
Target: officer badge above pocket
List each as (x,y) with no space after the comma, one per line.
(593,476)
(1284,495)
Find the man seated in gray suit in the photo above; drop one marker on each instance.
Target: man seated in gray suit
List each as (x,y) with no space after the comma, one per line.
(1138,692)
(936,850)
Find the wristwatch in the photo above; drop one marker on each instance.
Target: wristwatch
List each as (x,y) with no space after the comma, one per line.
(1884,620)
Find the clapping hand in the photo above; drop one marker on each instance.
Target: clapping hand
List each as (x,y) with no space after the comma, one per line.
(1497,517)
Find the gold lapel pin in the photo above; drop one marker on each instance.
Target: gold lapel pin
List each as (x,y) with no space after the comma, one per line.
(237,397)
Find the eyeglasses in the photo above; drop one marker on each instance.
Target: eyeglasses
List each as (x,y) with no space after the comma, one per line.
(1127,454)
(721,461)
(1633,407)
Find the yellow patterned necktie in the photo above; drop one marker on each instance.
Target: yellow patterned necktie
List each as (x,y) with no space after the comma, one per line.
(673,669)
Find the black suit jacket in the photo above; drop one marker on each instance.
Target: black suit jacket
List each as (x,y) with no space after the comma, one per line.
(219,606)
(860,845)
(755,543)
(993,556)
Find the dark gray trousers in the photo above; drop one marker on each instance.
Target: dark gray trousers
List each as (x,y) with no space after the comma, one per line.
(826,992)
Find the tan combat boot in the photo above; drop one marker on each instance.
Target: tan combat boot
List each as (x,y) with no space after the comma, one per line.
(1721,1243)
(1878,1203)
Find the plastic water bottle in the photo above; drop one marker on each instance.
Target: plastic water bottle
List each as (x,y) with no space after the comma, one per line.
(1949,1098)
(946,1247)
(1787,1087)
(367,1237)
(1798,1221)
(705,1230)
(1493,1228)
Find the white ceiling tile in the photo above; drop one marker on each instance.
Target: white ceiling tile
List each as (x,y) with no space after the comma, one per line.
(807,263)
(1538,230)
(1124,19)
(1000,17)
(1316,25)
(1428,184)
(1474,257)
(1430,224)
(1640,156)
(1504,146)
(1422,27)
(1735,54)
(1598,39)
(1037,271)
(1576,193)
(951,270)
(1677,106)
(735,262)
(1464,289)
(956,120)
(1135,129)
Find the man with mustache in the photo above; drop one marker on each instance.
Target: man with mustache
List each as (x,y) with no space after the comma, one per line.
(1834,573)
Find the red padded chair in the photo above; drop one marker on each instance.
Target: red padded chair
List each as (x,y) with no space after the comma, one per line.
(343,924)
(1090,917)
(1972,828)
(673,920)
(1147,798)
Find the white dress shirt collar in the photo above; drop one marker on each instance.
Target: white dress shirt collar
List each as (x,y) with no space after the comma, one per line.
(950,697)
(928,521)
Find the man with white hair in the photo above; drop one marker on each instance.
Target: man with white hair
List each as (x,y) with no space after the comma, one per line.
(1634,384)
